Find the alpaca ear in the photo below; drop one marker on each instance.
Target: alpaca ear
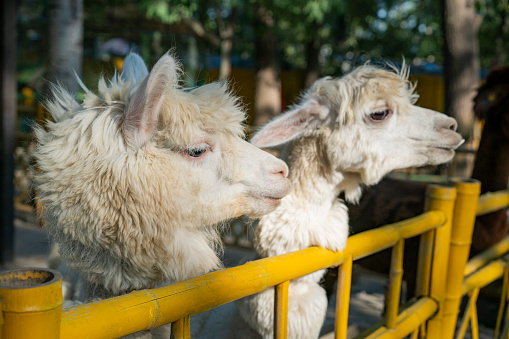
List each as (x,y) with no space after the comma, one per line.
(291,124)
(142,112)
(133,69)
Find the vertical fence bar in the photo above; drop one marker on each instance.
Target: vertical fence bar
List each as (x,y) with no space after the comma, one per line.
(343,298)
(31,303)
(470,310)
(461,237)
(427,244)
(1,321)
(505,331)
(474,320)
(440,198)
(396,275)
(181,329)
(503,301)
(424,271)
(424,263)
(281,310)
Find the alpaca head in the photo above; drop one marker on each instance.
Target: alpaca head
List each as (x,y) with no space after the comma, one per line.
(139,166)
(367,124)
(491,101)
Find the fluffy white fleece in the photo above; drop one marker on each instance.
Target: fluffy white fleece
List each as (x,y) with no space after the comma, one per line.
(345,133)
(135,180)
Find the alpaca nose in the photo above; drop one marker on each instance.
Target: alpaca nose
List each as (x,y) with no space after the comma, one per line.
(453,125)
(447,123)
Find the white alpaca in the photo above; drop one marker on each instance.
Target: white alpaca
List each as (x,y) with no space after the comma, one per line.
(135,180)
(345,133)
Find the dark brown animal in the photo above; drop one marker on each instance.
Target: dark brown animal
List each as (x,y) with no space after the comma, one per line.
(492,162)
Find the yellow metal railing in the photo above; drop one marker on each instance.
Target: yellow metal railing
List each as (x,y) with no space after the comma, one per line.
(492,201)
(445,230)
(485,268)
(31,302)
(461,238)
(148,309)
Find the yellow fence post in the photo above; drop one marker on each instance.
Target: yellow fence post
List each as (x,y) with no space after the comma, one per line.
(1,321)
(281,310)
(424,263)
(440,198)
(396,276)
(469,315)
(503,302)
(181,329)
(467,195)
(31,303)
(343,298)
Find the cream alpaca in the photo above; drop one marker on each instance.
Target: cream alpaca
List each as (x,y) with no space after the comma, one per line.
(136,179)
(346,132)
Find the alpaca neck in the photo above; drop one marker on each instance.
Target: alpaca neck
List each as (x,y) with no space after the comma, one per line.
(492,162)
(313,178)
(311,215)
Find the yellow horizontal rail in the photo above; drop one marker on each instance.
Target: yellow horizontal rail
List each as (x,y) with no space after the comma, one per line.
(127,314)
(485,275)
(408,320)
(486,256)
(491,202)
(366,243)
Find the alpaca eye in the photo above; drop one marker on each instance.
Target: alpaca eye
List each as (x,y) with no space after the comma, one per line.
(380,115)
(197,151)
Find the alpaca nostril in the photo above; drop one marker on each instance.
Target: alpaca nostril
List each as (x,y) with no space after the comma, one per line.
(281,170)
(453,126)
(447,123)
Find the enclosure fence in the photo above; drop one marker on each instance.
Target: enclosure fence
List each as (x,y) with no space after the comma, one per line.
(485,268)
(31,299)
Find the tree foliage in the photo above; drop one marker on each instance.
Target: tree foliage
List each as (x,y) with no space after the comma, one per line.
(363,29)
(494,32)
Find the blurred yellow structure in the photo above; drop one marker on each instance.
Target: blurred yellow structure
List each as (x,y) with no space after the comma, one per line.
(430,87)
(445,229)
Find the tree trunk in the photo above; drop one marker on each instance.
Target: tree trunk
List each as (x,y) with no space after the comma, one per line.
(7,129)
(66,42)
(224,40)
(192,62)
(226,32)
(268,86)
(461,61)
(312,71)
(225,69)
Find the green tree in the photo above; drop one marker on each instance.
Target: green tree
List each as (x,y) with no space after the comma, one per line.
(268,86)
(212,21)
(461,24)
(66,42)
(395,29)
(308,30)
(494,28)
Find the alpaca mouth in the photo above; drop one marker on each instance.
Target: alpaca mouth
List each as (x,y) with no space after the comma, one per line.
(451,147)
(273,201)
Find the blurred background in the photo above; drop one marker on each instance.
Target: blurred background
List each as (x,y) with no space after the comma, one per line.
(269,50)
